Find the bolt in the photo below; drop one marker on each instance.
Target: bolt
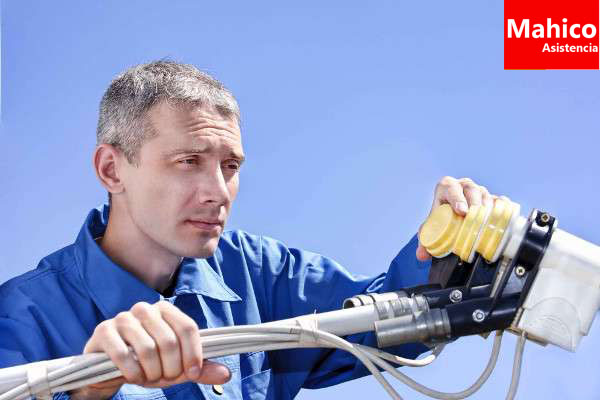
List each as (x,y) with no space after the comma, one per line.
(520,271)
(478,315)
(545,218)
(455,296)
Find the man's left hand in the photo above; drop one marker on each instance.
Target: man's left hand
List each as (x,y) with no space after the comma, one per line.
(460,194)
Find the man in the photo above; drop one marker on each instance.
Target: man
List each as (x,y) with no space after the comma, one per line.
(155,265)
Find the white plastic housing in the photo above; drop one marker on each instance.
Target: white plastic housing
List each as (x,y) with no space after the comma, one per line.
(565,294)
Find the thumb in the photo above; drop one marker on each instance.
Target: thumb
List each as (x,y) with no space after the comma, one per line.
(214,373)
(422,254)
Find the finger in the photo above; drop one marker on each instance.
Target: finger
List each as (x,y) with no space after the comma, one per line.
(456,198)
(144,346)
(214,373)
(472,192)
(441,190)
(101,390)
(422,254)
(163,382)
(487,198)
(107,339)
(151,319)
(189,338)
(111,383)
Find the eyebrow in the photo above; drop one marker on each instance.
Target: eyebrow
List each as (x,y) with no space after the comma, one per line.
(232,154)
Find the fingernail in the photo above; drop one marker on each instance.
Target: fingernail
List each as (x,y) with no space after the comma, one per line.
(227,374)
(462,206)
(193,372)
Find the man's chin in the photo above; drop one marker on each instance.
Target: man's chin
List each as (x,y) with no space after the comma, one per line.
(201,250)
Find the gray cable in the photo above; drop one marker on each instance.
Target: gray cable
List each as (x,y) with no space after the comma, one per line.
(442,395)
(516,374)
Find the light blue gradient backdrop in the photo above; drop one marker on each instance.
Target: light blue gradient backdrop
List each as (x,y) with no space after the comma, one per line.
(351,113)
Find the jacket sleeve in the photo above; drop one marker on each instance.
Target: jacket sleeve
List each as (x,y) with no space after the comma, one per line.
(22,344)
(298,282)
(18,343)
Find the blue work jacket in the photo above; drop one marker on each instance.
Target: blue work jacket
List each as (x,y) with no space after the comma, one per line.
(51,311)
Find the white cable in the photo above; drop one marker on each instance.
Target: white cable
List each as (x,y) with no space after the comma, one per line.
(363,357)
(442,395)
(396,359)
(89,381)
(321,336)
(514,381)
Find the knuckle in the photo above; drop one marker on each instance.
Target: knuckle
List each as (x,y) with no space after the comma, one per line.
(193,360)
(147,351)
(132,376)
(119,356)
(140,304)
(122,318)
(189,329)
(141,308)
(102,328)
(446,181)
(165,306)
(169,343)
(470,185)
(142,314)
(136,375)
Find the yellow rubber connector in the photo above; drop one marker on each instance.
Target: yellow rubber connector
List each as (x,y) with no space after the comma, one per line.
(445,232)
(494,228)
(438,233)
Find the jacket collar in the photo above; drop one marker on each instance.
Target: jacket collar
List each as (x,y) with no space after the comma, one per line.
(114,289)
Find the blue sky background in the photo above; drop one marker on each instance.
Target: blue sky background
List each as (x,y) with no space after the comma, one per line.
(351,113)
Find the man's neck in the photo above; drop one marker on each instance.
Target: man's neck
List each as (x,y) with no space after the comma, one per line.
(135,252)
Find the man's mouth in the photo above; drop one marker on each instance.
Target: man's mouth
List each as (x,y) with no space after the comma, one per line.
(206,225)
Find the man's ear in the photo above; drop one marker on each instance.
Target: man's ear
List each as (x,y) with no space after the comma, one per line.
(107,161)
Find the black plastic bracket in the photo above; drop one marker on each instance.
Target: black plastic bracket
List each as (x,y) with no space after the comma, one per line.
(538,232)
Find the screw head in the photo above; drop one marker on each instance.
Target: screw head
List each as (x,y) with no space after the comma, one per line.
(455,296)
(545,218)
(520,271)
(478,315)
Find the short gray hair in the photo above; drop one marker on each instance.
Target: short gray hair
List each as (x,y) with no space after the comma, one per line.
(122,121)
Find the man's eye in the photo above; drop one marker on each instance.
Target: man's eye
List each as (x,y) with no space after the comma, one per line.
(233,165)
(189,161)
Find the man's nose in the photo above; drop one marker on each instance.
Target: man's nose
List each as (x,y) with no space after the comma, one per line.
(213,187)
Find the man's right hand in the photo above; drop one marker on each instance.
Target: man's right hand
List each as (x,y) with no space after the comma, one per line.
(166,343)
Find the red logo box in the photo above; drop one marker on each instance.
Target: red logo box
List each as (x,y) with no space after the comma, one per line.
(551,34)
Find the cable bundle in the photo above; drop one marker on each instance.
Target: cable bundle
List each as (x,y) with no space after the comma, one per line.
(97,367)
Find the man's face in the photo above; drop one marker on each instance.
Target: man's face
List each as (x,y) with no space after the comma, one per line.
(180,194)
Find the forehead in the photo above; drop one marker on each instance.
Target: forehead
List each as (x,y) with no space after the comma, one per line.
(187,125)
